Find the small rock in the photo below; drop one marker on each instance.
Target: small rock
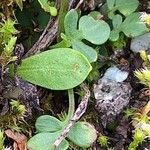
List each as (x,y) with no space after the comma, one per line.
(115,74)
(140,43)
(111,97)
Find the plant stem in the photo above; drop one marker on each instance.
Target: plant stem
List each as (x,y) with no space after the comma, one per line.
(71,105)
(75,116)
(62,12)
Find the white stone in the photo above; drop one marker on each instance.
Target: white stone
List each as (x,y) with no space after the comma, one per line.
(115,74)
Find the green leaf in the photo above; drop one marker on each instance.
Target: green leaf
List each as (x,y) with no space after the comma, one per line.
(10,46)
(117,21)
(95,31)
(56,69)
(53,11)
(114,35)
(65,43)
(132,26)
(46,6)
(7,29)
(70,25)
(126,7)
(45,141)
(86,50)
(83,134)
(43,3)
(110,4)
(47,123)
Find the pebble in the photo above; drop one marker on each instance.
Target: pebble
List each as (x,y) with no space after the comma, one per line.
(115,74)
(140,43)
(111,97)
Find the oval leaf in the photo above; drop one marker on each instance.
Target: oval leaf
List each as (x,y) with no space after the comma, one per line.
(95,31)
(48,123)
(83,134)
(57,69)
(45,141)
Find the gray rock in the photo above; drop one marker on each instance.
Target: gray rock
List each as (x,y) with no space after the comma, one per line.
(111,97)
(140,43)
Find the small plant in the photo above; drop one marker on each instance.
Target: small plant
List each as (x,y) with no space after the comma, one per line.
(47,7)
(141,132)
(126,8)
(7,30)
(75,32)
(14,119)
(8,40)
(143,74)
(17,108)
(141,121)
(129,112)
(59,74)
(138,138)
(50,128)
(103,141)
(130,23)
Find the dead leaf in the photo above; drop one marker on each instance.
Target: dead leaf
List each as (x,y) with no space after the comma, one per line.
(20,140)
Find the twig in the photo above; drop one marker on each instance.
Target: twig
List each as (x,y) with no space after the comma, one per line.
(61,16)
(48,35)
(73,3)
(79,4)
(45,39)
(78,113)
